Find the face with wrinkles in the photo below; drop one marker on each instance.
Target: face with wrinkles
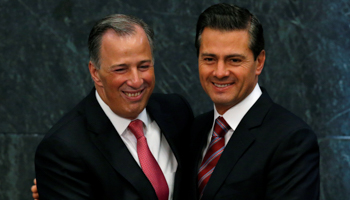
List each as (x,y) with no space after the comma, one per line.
(125,80)
(227,70)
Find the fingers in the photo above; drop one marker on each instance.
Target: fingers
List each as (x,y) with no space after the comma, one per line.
(35,196)
(34,190)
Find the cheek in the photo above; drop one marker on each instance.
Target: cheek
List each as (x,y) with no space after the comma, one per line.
(116,83)
(149,78)
(203,73)
(113,85)
(244,73)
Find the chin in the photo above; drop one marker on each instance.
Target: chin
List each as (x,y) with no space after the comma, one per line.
(133,113)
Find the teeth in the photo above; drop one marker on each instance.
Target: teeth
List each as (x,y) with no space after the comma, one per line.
(132,94)
(218,85)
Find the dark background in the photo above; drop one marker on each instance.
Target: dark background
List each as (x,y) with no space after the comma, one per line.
(44,71)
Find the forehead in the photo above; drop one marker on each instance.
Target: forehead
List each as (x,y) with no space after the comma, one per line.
(125,49)
(134,41)
(235,40)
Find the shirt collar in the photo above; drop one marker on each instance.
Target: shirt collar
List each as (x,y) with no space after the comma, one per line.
(120,123)
(235,114)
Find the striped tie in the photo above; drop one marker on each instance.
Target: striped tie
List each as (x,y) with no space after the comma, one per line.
(215,149)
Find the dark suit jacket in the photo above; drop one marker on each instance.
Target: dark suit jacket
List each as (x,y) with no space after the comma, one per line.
(272,154)
(83,157)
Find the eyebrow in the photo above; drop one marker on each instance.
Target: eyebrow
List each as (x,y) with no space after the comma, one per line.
(227,56)
(207,54)
(145,61)
(125,65)
(235,55)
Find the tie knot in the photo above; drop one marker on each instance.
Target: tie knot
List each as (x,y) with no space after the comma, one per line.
(221,127)
(136,127)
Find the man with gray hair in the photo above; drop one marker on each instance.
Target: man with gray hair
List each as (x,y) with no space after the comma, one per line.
(121,141)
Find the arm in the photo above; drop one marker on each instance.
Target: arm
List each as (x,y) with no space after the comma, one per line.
(60,171)
(294,170)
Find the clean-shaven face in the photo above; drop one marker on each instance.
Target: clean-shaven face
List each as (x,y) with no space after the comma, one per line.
(125,80)
(227,69)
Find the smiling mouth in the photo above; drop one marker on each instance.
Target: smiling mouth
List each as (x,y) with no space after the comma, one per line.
(222,85)
(133,94)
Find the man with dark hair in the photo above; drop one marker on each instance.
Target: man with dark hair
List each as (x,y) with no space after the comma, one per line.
(248,147)
(121,141)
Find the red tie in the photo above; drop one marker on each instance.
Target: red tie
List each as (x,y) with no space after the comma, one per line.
(215,149)
(149,165)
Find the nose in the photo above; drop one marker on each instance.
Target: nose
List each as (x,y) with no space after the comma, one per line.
(221,71)
(135,78)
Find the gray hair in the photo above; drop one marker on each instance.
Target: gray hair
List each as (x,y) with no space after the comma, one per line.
(123,25)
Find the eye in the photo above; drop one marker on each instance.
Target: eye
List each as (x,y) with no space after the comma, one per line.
(120,70)
(209,60)
(144,67)
(235,60)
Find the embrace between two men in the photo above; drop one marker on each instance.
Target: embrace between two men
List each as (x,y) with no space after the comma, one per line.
(123,142)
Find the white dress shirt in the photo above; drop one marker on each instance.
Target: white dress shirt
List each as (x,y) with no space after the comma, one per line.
(156,141)
(234,115)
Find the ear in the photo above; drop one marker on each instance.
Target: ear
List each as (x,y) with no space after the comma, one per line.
(94,74)
(260,62)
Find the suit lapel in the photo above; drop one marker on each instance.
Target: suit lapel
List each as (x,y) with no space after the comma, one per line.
(166,124)
(170,131)
(235,148)
(108,141)
(240,141)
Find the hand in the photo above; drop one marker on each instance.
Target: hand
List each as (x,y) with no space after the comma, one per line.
(34,190)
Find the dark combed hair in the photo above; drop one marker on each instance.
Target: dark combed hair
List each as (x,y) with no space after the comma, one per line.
(227,17)
(123,25)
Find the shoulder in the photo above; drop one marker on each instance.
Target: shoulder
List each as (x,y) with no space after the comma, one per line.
(170,110)
(284,118)
(201,125)
(168,98)
(204,118)
(72,125)
(275,115)
(173,103)
(62,140)
(70,138)
(280,127)
(268,121)
(288,126)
